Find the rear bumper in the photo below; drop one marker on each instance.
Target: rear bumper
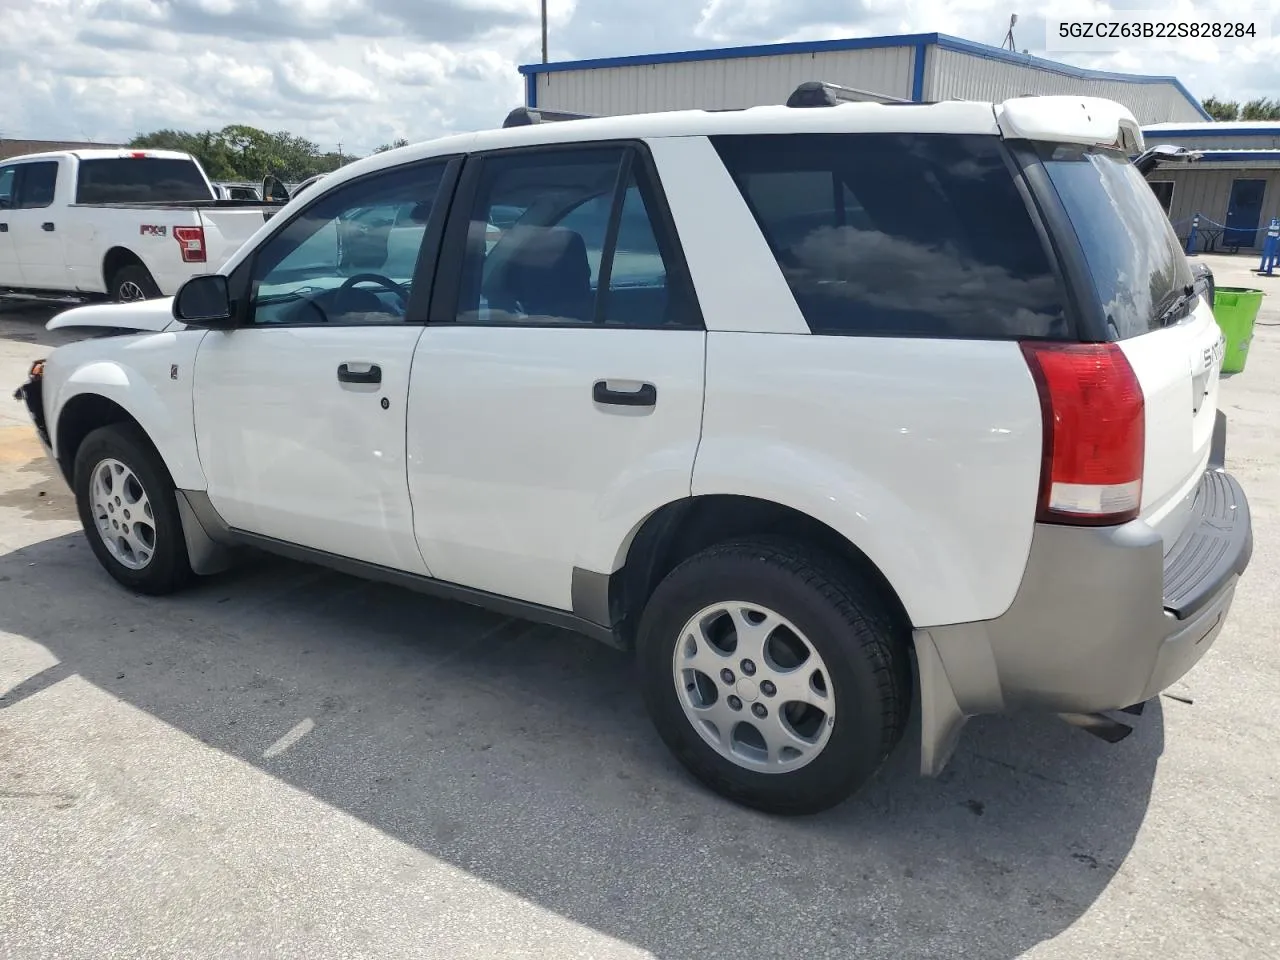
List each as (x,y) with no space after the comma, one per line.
(1103,619)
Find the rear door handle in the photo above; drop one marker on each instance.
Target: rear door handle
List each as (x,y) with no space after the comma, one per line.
(347,375)
(645,396)
(47,227)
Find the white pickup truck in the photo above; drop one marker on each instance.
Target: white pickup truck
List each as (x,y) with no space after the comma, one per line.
(124,224)
(823,411)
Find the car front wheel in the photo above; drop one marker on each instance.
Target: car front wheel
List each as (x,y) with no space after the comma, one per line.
(129,510)
(774,675)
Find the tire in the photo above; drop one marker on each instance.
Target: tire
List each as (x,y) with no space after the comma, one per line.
(863,662)
(166,567)
(129,281)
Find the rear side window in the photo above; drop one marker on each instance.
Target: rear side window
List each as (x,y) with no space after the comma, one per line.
(140,180)
(572,236)
(899,234)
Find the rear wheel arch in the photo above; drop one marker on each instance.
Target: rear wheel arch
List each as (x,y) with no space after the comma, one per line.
(678,530)
(118,259)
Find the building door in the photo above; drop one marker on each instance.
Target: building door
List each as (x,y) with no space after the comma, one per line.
(1244,211)
(1163,189)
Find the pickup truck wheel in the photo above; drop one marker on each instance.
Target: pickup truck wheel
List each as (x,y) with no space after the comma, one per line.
(133,283)
(773,674)
(129,510)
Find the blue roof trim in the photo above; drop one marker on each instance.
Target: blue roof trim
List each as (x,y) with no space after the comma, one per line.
(1227,132)
(917,73)
(945,41)
(987,52)
(1235,156)
(734,53)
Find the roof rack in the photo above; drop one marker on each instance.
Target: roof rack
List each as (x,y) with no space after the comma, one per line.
(527,116)
(820,93)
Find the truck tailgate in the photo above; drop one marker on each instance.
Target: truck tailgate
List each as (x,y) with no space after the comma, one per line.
(226,230)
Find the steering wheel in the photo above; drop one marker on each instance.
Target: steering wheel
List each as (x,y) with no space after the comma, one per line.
(385,282)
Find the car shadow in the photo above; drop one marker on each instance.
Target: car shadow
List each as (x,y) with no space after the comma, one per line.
(23,322)
(522,754)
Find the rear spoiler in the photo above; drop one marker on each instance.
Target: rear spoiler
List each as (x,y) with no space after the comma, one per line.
(1092,121)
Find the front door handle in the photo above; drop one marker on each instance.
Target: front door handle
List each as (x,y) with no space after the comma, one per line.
(646,396)
(47,227)
(347,375)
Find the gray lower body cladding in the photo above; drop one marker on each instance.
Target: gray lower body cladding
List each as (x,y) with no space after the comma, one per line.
(1103,619)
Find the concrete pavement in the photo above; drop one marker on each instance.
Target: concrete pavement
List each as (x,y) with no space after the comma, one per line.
(285,762)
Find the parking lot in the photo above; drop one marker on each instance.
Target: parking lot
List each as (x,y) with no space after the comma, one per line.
(287,762)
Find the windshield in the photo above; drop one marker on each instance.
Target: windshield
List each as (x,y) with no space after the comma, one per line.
(1134,259)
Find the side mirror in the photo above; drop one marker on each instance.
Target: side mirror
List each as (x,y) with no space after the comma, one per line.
(273,190)
(204,301)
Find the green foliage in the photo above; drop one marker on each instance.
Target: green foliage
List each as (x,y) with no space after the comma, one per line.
(1221,109)
(240,152)
(395,145)
(1263,108)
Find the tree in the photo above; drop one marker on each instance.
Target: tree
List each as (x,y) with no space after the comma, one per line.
(394,145)
(241,152)
(1221,109)
(1263,108)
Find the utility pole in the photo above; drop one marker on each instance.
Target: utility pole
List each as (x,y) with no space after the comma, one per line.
(544,31)
(1008,37)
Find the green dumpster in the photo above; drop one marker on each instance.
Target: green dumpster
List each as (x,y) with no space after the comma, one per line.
(1235,309)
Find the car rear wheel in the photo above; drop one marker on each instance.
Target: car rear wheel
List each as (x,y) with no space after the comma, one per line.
(774,675)
(132,283)
(129,510)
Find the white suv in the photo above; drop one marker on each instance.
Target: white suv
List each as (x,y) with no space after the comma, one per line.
(821,410)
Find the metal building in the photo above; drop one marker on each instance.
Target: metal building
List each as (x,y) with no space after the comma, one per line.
(1234,186)
(914,68)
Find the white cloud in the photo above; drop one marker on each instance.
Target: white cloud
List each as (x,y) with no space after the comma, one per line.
(363,72)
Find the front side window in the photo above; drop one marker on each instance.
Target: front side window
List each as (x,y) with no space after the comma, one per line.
(350,256)
(899,234)
(36,184)
(569,237)
(1135,262)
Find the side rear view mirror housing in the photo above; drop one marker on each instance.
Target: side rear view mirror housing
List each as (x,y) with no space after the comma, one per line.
(273,191)
(204,301)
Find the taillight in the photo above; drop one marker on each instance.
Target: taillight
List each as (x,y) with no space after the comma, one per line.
(191,243)
(1094,432)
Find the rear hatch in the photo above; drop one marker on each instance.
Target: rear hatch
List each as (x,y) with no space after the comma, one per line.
(1141,280)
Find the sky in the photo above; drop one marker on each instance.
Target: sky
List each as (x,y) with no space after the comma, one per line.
(364,72)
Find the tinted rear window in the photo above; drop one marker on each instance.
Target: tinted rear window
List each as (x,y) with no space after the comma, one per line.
(140,180)
(1134,258)
(899,234)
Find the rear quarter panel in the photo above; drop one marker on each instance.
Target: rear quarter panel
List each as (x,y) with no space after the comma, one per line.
(925,454)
